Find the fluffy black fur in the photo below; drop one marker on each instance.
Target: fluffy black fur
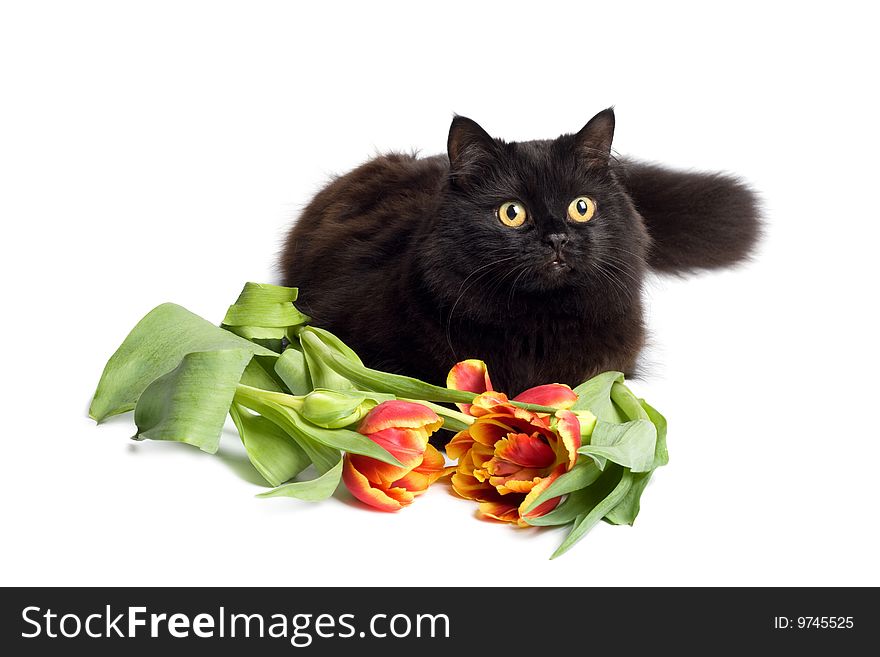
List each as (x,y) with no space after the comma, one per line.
(406,259)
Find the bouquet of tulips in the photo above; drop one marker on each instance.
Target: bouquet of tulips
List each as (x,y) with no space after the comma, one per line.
(300,397)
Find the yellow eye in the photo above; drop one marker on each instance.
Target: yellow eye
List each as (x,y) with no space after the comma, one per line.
(511,213)
(581,209)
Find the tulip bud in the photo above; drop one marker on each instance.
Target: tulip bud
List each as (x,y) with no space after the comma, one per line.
(334,410)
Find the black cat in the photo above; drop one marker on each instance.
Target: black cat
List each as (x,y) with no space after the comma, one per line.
(529,256)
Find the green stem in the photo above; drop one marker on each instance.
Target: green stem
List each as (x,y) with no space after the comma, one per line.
(443,410)
(536,408)
(259,396)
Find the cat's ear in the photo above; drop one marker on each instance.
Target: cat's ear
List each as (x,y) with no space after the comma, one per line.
(593,142)
(468,144)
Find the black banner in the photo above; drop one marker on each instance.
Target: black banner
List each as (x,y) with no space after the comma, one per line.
(426,621)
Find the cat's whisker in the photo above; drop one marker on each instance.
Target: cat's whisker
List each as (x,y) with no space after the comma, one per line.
(622,267)
(612,247)
(482,267)
(605,277)
(619,290)
(525,269)
(462,293)
(497,282)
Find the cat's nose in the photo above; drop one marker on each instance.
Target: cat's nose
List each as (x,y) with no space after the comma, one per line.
(557,241)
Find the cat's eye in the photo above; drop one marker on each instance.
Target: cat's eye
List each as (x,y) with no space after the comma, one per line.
(512,213)
(581,209)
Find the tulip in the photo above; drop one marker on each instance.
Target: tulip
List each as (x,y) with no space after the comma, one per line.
(510,455)
(403,429)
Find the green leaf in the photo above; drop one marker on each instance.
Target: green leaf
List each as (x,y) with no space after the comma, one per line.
(580,502)
(630,444)
(266,306)
(312,490)
(314,349)
(335,344)
(661,455)
(260,373)
(190,403)
(567,510)
(625,513)
(274,453)
(266,293)
(595,396)
(395,384)
(292,369)
(584,473)
(322,456)
(264,314)
(587,521)
(344,439)
(627,402)
(155,346)
(270,338)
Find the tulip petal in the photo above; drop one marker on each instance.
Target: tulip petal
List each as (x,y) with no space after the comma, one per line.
(503,511)
(515,485)
(488,431)
(406,445)
(401,495)
(432,461)
(481,455)
(488,402)
(545,507)
(418,482)
(471,376)
(508,413)
(432,468)
(402,415)
(501,468)
(459,445)
(415,482)
(569,429)
(468,487)
(524,450)
(377,473)
(557,395)
(360,487)
(524,424)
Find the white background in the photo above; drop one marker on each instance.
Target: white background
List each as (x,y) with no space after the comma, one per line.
(157,151)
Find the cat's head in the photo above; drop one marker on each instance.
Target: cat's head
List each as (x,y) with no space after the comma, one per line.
(537,217)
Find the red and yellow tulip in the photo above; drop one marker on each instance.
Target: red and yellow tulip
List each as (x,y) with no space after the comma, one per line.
(509,455)
(403,429)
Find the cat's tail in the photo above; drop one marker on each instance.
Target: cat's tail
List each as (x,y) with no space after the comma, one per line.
(696,220)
